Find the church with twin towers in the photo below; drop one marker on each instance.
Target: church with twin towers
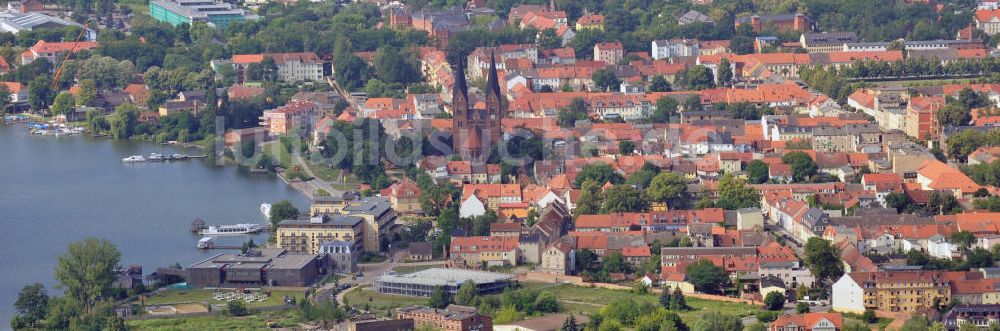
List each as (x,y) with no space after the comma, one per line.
(477,130)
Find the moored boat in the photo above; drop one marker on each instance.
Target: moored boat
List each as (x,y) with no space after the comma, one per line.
(232,229)
(206,243)
(156,157)
(134,158)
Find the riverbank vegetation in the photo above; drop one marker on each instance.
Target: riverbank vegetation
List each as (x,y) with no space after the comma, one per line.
(85,274)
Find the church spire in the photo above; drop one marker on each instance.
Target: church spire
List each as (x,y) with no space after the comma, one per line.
(492,82)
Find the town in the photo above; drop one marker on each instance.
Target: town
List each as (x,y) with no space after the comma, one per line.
(531,165)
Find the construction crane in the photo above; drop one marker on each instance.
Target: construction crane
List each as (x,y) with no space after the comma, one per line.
(62,65)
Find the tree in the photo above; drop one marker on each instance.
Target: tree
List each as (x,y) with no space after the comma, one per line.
(598,172)
(665,297)
(823,259)
(774,301)
(626,147)
(942,203)
(801,308)
(706,277)
(677,300)
(40,93)
(716,321)
(898,200)
(979,258)
(63,104)
(247,246)
(87,270)
(546,302)
(124,121)
(615,263)
(669,188)
(236,308)
(741,45)
(625,199)
(734,193)
(665,108)
(31,304)
(953,114)
(548,39)
(758,172)
(5,98)
(280,211)
(87,93)
(569,324)
(575,111)
(964,239)
(585,259)
(605,80)
(394,65)
(467,294)
(802,165)
(698,77)
(869,316)
(439,298)
(725,72)
(659,84)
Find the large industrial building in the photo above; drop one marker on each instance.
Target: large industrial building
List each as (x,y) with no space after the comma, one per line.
(422,283)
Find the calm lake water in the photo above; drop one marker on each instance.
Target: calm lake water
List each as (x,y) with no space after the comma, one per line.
(54,191)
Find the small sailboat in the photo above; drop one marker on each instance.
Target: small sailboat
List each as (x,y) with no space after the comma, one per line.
(265,208)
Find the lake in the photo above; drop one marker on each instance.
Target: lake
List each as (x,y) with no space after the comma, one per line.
(54,191)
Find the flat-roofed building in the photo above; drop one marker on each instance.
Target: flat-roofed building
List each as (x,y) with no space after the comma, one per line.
(264,266)
(422,283)
(218,14)
(453,318)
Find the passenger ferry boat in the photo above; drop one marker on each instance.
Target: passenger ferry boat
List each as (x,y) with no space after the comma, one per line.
(233,229)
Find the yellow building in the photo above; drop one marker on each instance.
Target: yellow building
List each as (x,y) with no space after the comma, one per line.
(891,291)
(327,206)
(378,217)
(306,236)
(592,21)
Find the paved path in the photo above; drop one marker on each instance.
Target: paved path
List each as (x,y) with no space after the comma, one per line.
(316,182)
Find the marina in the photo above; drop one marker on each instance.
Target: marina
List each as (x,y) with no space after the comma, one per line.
(88,179)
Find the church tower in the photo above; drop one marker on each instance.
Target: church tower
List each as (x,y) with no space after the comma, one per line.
(476,131)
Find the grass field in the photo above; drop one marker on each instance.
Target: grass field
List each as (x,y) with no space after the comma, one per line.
(252,322)
(205,296)
(358,297)
(587,299)
(572,298)
(278,154)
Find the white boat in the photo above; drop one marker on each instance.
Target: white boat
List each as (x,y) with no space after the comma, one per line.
(134,158)
(156,157)
(177,157)
(265,208)
(232,229)
(206,243)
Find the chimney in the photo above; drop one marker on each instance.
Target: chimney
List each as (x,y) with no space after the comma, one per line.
(755,23)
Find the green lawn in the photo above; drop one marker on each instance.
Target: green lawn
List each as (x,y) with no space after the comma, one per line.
(252,322)
(278,154)
(572,298)
(358,297)
(585,298)
(205,296)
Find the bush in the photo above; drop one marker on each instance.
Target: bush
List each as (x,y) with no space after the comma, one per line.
(774,301)
(236,308)
(802,308)
(869,316)
(766,316)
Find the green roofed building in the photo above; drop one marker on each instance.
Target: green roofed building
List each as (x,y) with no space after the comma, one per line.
(175,12)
